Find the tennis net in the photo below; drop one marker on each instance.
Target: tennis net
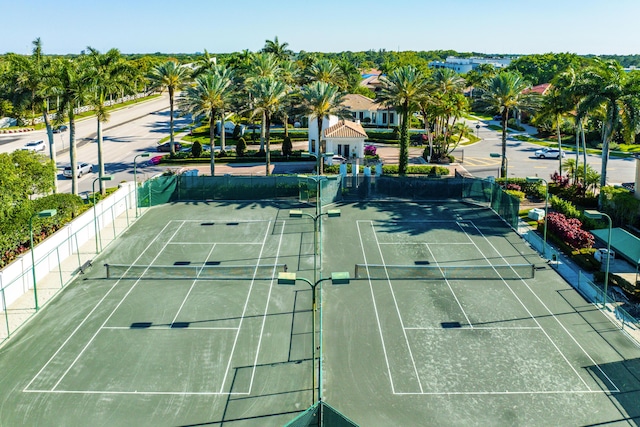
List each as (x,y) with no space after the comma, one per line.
(454,272)
(217,272)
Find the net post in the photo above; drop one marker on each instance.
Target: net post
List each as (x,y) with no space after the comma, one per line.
(107,267)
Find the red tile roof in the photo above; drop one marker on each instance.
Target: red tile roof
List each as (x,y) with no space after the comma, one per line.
(345,129)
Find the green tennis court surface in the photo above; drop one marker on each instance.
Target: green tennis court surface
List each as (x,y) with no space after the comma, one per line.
(450,320)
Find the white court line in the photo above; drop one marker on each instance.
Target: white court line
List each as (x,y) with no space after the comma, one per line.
(165,327)
(554,317)
(266,309)
(395,302)
(217,243)
(474,393)
(193,284)
(111,314)
(523,305)
(475,328)
(423,243)
(160,233)
(140,393)
(244,309)
(450,288)
(375,307)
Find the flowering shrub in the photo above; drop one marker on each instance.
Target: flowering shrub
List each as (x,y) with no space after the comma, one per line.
(370,150)
(560,181)
(569,230)
(514,187)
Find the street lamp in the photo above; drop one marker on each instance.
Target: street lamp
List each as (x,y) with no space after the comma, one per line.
(136,179)
(337,278)
(42,214)
(506,166)
(95,218)
(546,209)
(594,214)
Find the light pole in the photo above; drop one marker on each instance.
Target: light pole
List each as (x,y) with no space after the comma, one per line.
(506,166)
(135,178)
(337,278)
(95,217)
(42,214)
(593,214)
(546,209)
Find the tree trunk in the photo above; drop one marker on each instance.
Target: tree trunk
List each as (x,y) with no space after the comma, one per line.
(72,152)
(319,168)
(100,158)
(404,141)
(575,174)
(52,147)
(212,141)
(222,133)
(262,133)
(605,159)
(559,145)
(503,166)
(584,154)
(171,143)
(267,133)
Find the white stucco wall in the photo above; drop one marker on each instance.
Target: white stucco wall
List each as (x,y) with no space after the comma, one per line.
(313,129)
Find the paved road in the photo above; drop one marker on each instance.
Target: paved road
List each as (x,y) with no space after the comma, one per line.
(522,162)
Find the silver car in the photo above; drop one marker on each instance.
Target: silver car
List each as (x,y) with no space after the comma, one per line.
(34,146)
(81,169)
(552,153)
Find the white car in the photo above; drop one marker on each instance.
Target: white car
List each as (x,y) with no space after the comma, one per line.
(553,153)
(34,146)
(81,169)
(335,160)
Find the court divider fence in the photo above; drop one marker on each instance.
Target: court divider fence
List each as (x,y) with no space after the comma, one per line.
(174,188)
(319,415)
(60,258)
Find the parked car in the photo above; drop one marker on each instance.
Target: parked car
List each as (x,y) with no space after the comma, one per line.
(335,160)
(35,146)
(497,117)
(553,153)
(166,147)
(81,169)
(60,129)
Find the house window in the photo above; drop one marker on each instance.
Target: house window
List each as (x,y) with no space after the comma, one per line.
(384,118)
(391,118)
(361,114)
(373,117)
(354,115)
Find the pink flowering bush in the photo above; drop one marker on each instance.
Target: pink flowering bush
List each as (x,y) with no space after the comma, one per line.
(369,150)
(569,230)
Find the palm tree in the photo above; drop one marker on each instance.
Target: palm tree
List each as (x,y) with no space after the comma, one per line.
(280,51)
(555,105)
(504,93)
(320,100)
(204,63)
(206,97)
(401,89)
(108,73)
(265,65)
(606,86)
(268,95)
(71,85)
(171,76)
(326,71)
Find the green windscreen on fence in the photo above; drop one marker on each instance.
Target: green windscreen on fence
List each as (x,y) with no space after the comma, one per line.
(321,415)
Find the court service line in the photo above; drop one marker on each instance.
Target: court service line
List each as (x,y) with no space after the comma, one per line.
(617,390)
(165,327)
(140,393)
(375,306)
(266,310)
(423,243)
(475,328)
(395,302)
(193,284)
(161,233)
(450,288)
(244,309)
(506,392)
(111,314)
(217,243)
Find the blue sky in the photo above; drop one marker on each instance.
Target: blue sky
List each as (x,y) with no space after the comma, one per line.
(485,26)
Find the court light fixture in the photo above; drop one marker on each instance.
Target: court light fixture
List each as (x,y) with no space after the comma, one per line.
(47,213)
(534,179)
(95,217)
(594,214)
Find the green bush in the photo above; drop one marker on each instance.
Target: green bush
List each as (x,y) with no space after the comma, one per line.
(417,170)
(629,288)
(241,147)
(517,194)
(565,207)
(196,149)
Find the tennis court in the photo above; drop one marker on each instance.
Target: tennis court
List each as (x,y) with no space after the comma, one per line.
(450,319)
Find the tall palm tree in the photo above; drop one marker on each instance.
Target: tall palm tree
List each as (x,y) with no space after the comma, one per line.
(108,74)
(204,63)
(606,86)
(504,93)
(171,76)
(280,51)
(320,100)
(265,65)
(555,105)
(326,71)
(268,95)
(206,97)
(401,89)
(71,85)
